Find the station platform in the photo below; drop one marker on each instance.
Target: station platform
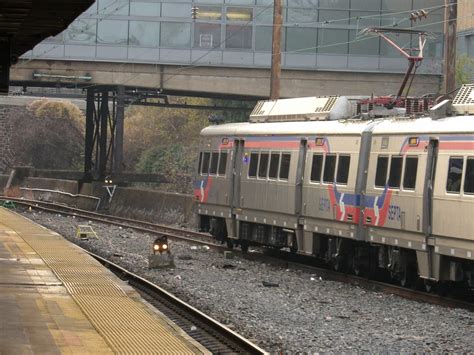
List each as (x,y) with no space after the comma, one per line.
(56,299)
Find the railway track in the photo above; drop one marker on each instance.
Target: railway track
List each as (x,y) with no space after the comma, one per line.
(213,335)
(279,257)
(210,333)
(147,227)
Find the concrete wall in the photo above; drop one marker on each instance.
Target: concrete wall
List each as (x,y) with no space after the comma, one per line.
(68,186)
(88,203)
(146,205)
(5,154)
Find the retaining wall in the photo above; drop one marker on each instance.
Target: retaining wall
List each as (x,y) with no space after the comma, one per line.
(69,186)
(154,206)
(146,205)
(89,203)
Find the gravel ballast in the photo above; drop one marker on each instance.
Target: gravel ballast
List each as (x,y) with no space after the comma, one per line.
(281,310)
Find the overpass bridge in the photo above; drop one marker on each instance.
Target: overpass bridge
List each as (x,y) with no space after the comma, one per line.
(211,81)
(226,50)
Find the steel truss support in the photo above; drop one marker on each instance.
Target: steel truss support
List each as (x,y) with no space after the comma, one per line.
(103,150)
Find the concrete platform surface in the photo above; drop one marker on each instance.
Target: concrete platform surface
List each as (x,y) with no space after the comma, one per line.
(56,299)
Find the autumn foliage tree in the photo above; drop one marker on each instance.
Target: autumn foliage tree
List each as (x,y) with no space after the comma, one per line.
(464,69)
(164,141)
(50,135)
(47,135)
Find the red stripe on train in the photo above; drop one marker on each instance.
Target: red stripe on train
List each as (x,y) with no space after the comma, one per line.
(447,145)
(270,144)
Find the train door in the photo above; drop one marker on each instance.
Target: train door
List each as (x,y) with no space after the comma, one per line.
(300,176)
(234,190)
(236,172)
(427,265)
(299,242)
(429,186)
(361,180)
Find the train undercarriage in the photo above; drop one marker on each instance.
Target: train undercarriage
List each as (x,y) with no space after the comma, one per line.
(372,260)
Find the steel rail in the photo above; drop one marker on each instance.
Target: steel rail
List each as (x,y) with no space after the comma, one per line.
(215,336)
(147,227)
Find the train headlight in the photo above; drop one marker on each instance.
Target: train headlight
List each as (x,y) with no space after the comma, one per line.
(156,247)
(413,141)
(164,247)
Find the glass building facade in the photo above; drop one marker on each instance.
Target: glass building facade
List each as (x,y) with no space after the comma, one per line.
(316,34)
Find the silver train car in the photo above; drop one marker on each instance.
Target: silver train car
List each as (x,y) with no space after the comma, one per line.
(395,193)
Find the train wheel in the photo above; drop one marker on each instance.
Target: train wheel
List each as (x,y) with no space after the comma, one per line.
(244,246)
(428,285)
(294,246)
(230,243)
(339,263)
(442,288)
(357,266)
(408,276)
(405,279)
(372,269)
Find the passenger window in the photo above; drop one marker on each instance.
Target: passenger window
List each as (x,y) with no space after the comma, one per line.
(329,168)
(454,175)
(285,166)
(262,167)
(409,177)
(253,165)
(222,163)
(200,163)
(381,172)
(395,172)
(343,169)
(316,168)
(274,161)
(469,178)
(205,163)
(214,163)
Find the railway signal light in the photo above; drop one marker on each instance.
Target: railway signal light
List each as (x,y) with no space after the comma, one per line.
(160,245)
(194,12)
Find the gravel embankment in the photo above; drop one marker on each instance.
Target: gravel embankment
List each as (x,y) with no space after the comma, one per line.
(303,314)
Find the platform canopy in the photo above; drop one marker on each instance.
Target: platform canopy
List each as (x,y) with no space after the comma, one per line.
(25,23)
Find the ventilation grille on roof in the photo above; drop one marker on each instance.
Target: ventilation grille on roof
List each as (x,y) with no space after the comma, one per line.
(302,109)
(257,108)
(329,104)
(463,103)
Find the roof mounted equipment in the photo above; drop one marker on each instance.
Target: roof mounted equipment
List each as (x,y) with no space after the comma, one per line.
(414,55)
(463,103)
(303,109)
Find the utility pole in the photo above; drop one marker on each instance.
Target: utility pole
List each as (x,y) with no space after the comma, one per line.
(450,18)
(276,51)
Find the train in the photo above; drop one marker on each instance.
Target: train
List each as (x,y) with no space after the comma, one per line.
(360,186)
